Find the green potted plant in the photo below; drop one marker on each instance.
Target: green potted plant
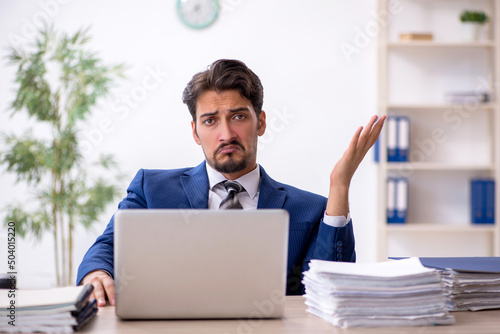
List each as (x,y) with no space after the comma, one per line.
(472,21)
(59,83)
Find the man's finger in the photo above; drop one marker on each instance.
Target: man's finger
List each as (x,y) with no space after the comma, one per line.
(371,133)
(99,293)
(109,287)
(377,128)
(372,121)
(374,128)
(369,125)
(355,138)
(368,131)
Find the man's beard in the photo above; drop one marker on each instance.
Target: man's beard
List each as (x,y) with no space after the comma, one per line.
(231,165)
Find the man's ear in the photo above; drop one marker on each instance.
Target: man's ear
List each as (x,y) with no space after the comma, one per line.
(195,135)
(262,123)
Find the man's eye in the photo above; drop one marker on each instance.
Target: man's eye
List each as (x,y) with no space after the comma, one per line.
(208,121)
(240,117)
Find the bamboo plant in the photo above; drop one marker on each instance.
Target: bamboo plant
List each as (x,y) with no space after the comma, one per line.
(59,82)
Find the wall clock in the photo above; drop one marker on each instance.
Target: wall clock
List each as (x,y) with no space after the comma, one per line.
(198,14)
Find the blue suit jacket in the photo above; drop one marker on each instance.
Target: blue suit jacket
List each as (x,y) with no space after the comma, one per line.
(309,237)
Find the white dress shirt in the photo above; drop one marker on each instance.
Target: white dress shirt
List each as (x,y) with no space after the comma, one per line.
(249,198)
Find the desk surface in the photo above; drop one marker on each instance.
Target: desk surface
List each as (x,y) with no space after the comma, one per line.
(296,320)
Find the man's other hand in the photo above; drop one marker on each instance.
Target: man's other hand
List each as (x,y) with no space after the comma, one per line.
(340,178)
(104,286)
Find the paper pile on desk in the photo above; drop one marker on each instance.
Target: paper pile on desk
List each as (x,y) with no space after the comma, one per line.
(471,291)
(58,310)
(394,293)
(472,283)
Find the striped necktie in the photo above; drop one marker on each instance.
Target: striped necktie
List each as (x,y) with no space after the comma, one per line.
(231,201)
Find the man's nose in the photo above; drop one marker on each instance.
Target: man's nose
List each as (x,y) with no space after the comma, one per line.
(226,132)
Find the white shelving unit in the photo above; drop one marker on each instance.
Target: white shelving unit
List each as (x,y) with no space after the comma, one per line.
(425,44)
(412,76)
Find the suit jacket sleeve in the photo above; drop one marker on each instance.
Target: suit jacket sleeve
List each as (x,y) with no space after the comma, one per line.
(100,254)
(324,243)
(309,237)
(334,243)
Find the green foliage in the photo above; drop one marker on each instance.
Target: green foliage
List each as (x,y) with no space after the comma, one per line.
(59,83)
(95,200)
(473,16)
(35,223)
(27,158)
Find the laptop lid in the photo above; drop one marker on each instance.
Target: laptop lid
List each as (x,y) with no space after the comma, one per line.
(178,264)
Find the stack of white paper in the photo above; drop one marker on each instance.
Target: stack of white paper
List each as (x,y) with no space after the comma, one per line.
(58,310)
(395,293)
(471,291)
(472,283)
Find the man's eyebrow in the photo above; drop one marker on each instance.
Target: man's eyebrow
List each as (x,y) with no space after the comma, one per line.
(213,113)
(209,114)
(239,109)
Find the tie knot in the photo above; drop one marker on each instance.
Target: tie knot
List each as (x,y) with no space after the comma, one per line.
(231,201)
(233,186)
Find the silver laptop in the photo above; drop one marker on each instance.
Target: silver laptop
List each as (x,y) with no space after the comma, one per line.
(179,264)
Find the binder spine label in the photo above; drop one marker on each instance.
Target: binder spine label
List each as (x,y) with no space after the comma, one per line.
(398,138)
(397,201)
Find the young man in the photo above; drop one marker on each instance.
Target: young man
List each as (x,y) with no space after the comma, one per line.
(225,102)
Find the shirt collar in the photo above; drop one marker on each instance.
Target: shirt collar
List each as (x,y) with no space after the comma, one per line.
(250,181)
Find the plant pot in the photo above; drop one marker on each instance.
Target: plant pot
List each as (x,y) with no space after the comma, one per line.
(470,31)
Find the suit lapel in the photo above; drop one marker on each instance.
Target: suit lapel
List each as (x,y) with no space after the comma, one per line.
(195,185)
(272,195)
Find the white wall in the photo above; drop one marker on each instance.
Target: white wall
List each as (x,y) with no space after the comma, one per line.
(316,96)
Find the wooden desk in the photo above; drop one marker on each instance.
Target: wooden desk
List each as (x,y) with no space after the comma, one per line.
(296,320)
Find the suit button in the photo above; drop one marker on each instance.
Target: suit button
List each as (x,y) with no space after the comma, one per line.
(339,243)
(339,256)
(339,249)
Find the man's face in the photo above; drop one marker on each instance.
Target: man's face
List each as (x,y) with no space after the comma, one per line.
(227,129)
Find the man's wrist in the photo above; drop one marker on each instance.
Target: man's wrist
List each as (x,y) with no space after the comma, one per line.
(338,201)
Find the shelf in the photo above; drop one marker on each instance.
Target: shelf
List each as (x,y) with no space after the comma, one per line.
(437,166)
(419,227)
(416,79)
(410,107)
(432,44)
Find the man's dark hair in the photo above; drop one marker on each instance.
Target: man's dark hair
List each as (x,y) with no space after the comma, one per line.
(225,74)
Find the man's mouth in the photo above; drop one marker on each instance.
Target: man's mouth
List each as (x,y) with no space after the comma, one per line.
(229,148)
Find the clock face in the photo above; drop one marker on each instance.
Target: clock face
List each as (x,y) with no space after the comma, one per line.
(198,14)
